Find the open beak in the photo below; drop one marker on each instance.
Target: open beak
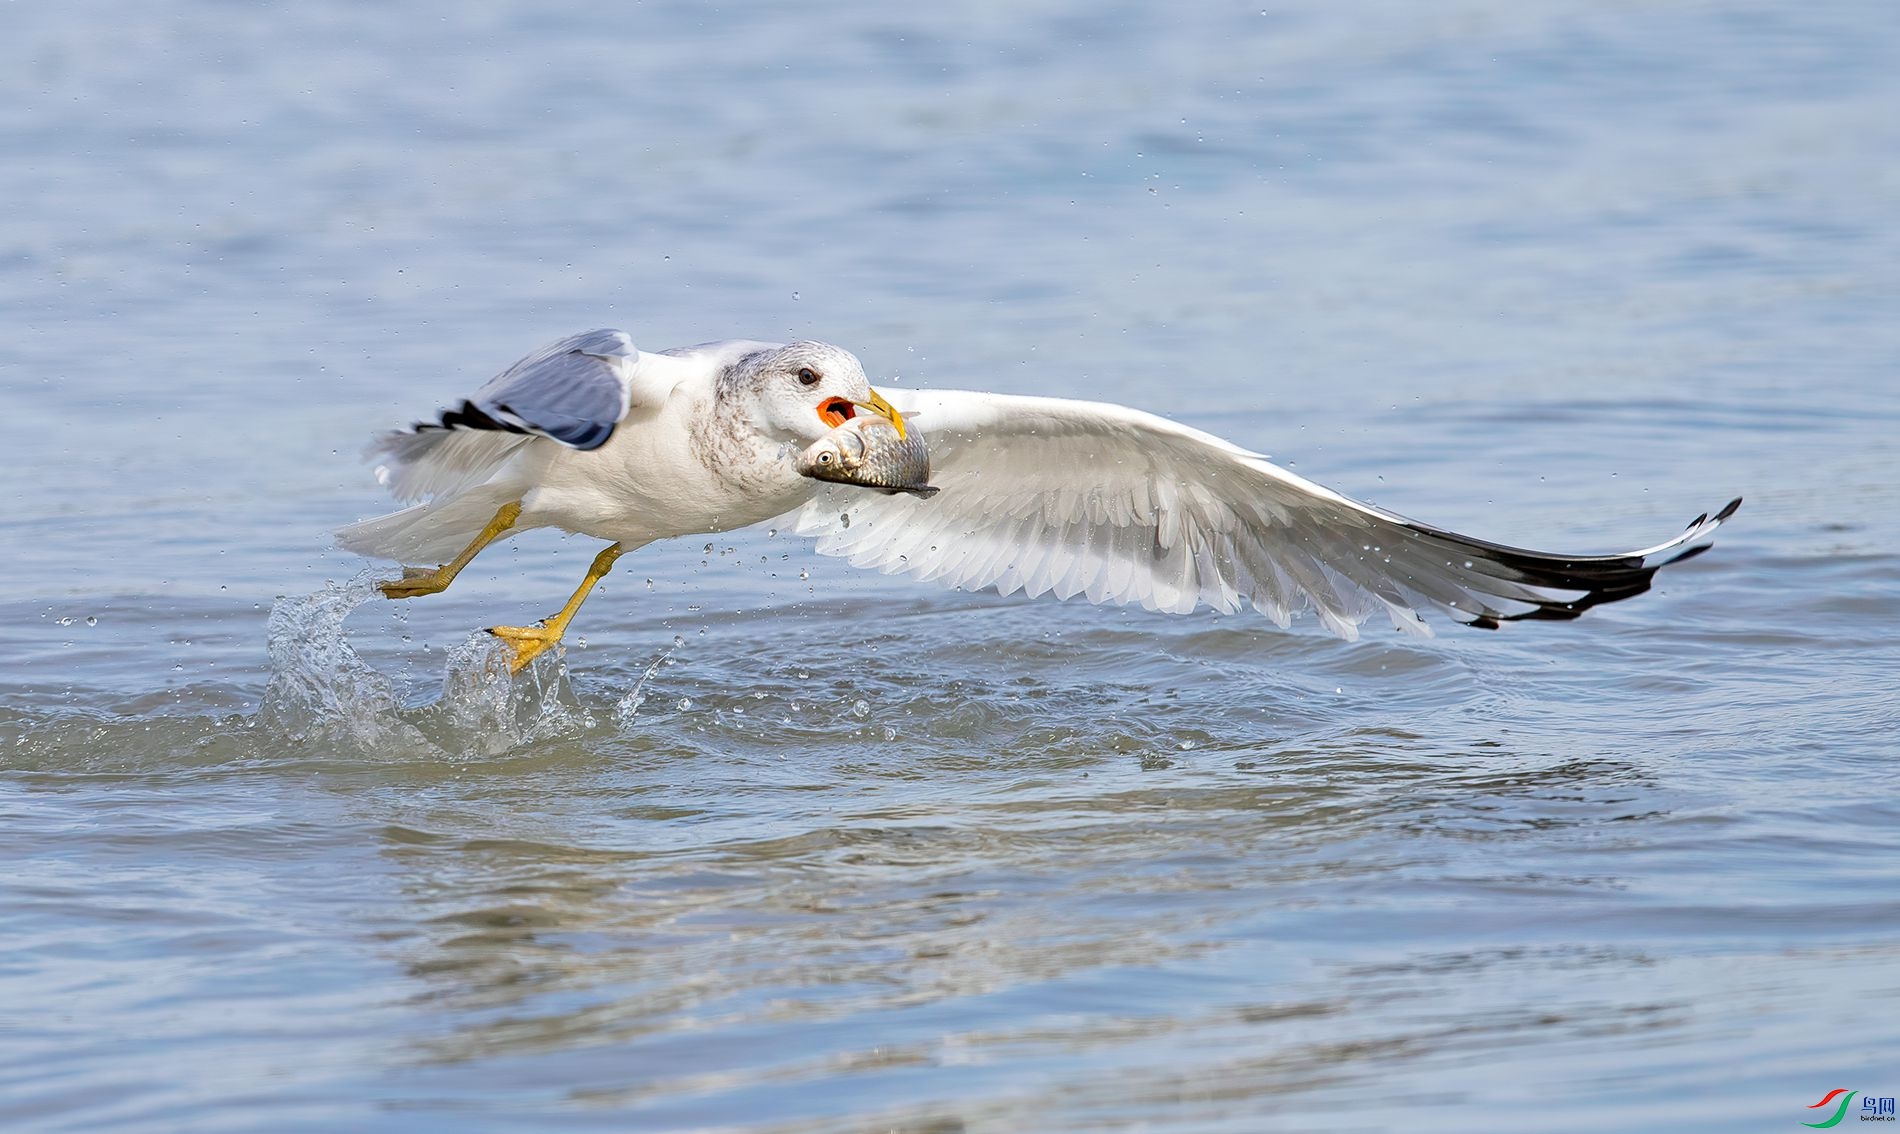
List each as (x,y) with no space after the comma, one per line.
(837,411)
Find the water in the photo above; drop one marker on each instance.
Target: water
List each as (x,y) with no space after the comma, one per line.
(789,848)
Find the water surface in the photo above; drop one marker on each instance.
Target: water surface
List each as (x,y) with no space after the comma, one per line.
(790,848)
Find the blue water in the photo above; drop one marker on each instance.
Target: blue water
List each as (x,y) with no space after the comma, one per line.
(790,848)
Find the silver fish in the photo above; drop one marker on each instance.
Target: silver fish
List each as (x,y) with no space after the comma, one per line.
(869,451)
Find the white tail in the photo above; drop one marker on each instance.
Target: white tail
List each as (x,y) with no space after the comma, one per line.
(426,533)
(428,460)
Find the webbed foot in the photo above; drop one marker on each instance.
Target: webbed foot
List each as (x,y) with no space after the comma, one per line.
(416,582)
(526,642)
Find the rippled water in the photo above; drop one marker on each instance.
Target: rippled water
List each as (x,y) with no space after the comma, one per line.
(789,848)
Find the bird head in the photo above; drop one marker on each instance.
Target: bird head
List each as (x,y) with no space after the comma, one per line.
(804,389)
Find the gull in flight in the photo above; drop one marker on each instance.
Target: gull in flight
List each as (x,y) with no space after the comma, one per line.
(1039,495)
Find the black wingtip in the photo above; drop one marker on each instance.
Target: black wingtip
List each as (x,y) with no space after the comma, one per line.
(1728,510)
(469,416)
(1597,579)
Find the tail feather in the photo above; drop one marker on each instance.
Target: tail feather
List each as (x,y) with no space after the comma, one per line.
(425,533)
(436,460)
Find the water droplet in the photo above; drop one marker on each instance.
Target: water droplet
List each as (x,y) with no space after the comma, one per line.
(861,708)
(771,533)
(686,704)
(678,641)
(92,620)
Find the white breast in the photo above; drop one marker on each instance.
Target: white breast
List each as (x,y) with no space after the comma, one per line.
(670,473)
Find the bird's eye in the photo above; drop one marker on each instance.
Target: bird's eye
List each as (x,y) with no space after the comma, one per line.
(808,376)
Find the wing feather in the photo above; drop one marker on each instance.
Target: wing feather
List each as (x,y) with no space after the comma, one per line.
(574,392)
(1046,496)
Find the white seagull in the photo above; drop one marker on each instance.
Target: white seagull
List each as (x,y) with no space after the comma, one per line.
(1039,495)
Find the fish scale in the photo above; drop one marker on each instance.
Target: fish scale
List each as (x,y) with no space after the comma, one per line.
(870,452)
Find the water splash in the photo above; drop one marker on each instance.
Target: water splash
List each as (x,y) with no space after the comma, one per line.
(485,710)
(628,707)
(322,692)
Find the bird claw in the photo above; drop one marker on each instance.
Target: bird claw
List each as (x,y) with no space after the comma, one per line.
(415,582)
(526,642)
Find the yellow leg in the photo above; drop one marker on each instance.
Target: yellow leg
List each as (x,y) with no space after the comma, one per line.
(418,581)
(530,642)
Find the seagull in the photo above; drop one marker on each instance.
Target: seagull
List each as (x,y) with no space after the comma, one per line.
(1040,495)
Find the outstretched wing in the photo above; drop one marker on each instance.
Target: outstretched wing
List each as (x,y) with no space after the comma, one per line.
(1046,495)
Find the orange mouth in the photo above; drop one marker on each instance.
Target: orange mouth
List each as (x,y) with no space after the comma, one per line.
(836,411)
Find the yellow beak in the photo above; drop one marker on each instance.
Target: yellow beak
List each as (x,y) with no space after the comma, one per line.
(886,410)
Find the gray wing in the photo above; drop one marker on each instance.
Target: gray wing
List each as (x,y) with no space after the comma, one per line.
(574,391)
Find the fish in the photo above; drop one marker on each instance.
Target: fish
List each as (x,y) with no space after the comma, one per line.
(871,452)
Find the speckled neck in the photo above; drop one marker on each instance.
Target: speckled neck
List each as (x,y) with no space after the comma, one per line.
(732,445)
